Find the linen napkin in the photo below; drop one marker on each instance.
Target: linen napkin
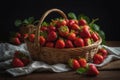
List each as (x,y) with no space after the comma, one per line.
(7,51)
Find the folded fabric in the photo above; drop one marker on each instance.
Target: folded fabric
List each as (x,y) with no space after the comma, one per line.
(7,51)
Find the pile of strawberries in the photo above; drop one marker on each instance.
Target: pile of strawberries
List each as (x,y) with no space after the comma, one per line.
(20,59)
(18,38)
(63,33)
(81,66)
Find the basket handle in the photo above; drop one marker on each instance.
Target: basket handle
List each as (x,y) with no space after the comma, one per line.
(42,19)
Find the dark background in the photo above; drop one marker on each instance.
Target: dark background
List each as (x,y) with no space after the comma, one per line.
(107,12)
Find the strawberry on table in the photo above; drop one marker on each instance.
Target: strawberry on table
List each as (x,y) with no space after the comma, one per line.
(16,62)
(74,64)
(82,62)
(97,59)
(89,70)
(103,52)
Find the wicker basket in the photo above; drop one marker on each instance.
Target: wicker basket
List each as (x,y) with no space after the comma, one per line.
(54,55)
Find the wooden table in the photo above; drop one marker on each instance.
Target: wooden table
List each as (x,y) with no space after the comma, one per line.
(113,74)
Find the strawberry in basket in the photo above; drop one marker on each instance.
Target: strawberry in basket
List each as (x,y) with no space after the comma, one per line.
(61,39)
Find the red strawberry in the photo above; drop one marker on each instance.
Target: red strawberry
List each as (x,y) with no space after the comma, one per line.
(16,41)
(52,36)
(82,22)
(70,23)
(61,23)
(63,31)
(68,44)
(50,44)
(87,41)
(82,62)
(16,62)
(71,36)
(25,36)
(18,35)
(103,52)
(94,36)
(75,27)
(60,44)
(92,70)
(79,42)
(97,59)
(42,40)
(51,28)
(74,64)
(31,37)
(85,33)
(25,60)
(44,28)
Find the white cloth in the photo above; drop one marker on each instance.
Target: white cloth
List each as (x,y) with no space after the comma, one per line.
(7,51)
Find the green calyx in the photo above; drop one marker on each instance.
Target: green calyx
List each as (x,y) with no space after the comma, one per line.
(64,29)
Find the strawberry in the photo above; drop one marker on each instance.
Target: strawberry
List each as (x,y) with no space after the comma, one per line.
(16,41)
(87,41)
(31,37)
(71,36)
(49,44)
(82,62)
(85,32)
(18,35)
(103,52)
(68,44)
(23,57)
(25,60)
(42,40)
(82,22)
(92,70)
(70,23)
(44,28)
(25,36)
(63,31)
(79,42)
(60,44)
(51,28)
(97,59)
(61,23)
(75,27)
(94,36)
(74,64)
(16,62)
(52,36)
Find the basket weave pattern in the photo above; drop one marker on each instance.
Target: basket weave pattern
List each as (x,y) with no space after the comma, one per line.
(54,55)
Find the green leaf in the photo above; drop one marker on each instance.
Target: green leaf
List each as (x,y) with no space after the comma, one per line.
(102,35)
(44,24)
(82,16)
(81,70)
(35,22)
(26,22)
(18,22)
(31,20)
(95,27)
(72,15)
